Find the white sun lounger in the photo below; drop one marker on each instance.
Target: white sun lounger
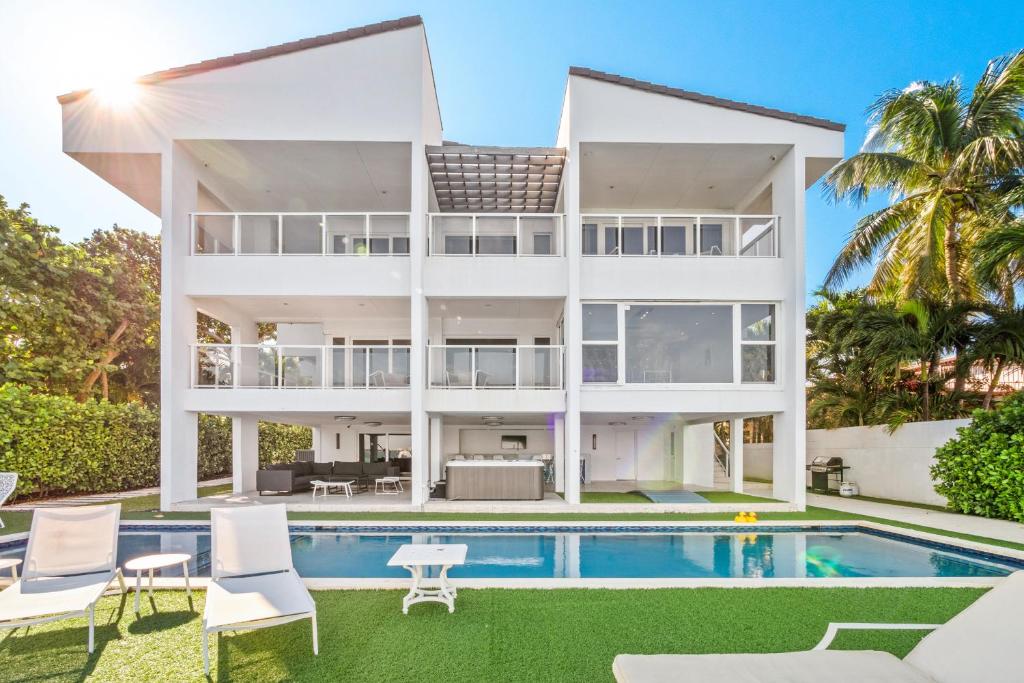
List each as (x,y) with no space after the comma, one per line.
(254,582)
(982,643)
(69,564)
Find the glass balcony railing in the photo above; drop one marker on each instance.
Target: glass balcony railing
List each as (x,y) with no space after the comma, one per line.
(679,235)
(494,234)
(269,366)
(495,367)
(323,234)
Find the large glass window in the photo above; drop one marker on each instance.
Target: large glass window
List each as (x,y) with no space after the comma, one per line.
(757,352)
(600,343)
(678,344)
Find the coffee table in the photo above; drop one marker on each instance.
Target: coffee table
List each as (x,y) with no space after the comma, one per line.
(157,561)
(324,487)
(415,557)
(391,486)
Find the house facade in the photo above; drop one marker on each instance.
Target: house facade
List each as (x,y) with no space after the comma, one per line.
(612,306)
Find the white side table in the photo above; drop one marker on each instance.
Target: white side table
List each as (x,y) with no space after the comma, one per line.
(12,564)
(416,557)
(391,486)
(324,487)
(159,561)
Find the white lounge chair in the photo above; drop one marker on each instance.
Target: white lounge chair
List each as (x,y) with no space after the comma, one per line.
(982,643)
(8,482)
(254,582)
(69,564)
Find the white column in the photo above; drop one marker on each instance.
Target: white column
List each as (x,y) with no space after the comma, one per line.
(789,453)
(418,323)
(245,452)
(559,454)
(179,429)
(736,453)
(699,454)
(436,447)
(573,319)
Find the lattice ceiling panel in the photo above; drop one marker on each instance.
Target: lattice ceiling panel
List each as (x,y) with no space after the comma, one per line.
(496,179)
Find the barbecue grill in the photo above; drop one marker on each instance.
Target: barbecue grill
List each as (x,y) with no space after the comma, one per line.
(826,471)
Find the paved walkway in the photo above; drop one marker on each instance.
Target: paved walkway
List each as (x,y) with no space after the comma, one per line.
(948,521)
(95,498)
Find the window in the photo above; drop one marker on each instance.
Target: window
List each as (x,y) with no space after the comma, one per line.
(673,240)
(676,343)
(757,349)
(673,344)
(600,343)
(589,239)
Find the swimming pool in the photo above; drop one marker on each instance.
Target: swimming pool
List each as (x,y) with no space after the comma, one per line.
(599,552)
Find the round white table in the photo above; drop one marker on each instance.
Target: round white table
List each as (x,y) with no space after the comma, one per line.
(158,561)
(12,564)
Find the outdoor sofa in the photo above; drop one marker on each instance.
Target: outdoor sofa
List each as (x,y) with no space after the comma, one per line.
(979,645)
(293,477)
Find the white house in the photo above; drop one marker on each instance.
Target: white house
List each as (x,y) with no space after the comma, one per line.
(603,301)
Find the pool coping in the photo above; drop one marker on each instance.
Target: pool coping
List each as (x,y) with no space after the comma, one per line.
(885,530)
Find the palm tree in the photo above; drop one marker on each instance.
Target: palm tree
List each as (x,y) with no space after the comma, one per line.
(998,341)
(914,333)
(941,153)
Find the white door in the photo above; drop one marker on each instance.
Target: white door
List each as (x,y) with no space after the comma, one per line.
(625,455)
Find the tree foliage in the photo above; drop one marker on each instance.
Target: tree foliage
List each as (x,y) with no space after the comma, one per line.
(79,318)
(981,471)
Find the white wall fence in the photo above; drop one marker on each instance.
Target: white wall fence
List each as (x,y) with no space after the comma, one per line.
(895,466)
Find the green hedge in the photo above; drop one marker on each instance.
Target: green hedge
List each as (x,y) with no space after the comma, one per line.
(60,446)
(981,471)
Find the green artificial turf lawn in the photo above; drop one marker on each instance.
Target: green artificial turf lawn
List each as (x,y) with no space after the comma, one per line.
(730,497)
(613,497)
(494,635)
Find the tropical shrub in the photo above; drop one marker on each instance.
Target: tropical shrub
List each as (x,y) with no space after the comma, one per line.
(58,445)
(981,471)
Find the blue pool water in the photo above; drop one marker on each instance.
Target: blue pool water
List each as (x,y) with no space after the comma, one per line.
(598,552)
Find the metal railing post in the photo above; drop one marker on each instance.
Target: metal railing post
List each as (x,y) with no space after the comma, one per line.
(366,234)
(515,365)
(323,234)
(472,247)
(519,243)
(236,365)
(236,234)
(280,367)
(472,367)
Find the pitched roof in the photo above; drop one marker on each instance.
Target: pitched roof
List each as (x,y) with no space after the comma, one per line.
(264,53)
(704,99)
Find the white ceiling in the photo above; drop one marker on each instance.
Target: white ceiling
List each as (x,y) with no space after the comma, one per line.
(539,309)
(671,176)
(307,308)
(282,175)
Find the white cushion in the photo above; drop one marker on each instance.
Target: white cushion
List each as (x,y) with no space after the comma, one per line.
(815,666)
(43,597)
(244,599)
(982,643)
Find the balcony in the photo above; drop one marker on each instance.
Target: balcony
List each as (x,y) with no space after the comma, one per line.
(683,235)
(492,234)
(298,254)
(269,366)
(502,255)
(495,367)
(300,234)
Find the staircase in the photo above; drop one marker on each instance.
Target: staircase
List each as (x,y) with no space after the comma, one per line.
(722,480)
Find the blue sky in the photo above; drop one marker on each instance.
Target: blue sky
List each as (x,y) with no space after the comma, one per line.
(500,69)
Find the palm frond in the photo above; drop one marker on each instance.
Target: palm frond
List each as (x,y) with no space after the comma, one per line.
(998,98)
(868,236)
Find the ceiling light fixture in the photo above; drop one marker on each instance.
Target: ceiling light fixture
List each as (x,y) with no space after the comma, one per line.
(492,418)
(642,418)
(373,423)
(618,424)
(494,423)
(344,418)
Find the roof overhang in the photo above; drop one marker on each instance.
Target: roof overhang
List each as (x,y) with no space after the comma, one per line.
(495,179)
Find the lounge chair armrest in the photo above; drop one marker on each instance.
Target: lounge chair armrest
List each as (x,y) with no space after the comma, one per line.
(833,630)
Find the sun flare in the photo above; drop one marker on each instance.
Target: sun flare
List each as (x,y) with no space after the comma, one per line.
(117,93)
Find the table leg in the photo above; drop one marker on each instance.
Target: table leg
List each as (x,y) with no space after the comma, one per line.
(414,591)
(184,570)
(150,584)
(138,588)
(447,590)
(14,573)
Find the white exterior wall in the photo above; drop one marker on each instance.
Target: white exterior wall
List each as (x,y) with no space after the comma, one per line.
(894,466)
(380,89)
